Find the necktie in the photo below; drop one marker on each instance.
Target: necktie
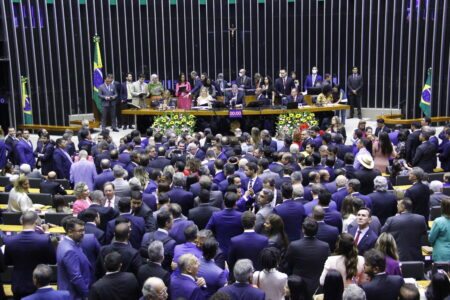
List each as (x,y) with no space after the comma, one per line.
(357,237)
(314,79)
(109,203)
(284,82)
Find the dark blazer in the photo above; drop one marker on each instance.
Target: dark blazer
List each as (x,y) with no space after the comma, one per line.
(225,224)
(309,83)
(384,205)
(412,143)
(408,230)
(85,145)
(97,232)
(366,177)
(24,152)
(419,193)
(257,184)
(10,144)
(91,248)
(283,89)
(151,269)
(328,234)
(51,187)
(177,230)
(17,253)
(292,213)
(367,242)
(306,258)
(146,213)
(182,197)
(61,164)
(354,83)
(386,287)
(107,91)
(229,98)
(115,286)
(106,214)
(168,243)
(197,85)
(244,82)
(378,130)
(131,260)
(182,287)
(247,245)
(243,291)
(201,214)
(299,99)
(333,218)
(159,163)
(102,178)
(444,157)
(49,294)
(47,158)
(137,230)
(425,157)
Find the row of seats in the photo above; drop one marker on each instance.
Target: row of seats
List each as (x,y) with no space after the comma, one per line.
(13,218)
(35,183)
(404,179)
(37,198)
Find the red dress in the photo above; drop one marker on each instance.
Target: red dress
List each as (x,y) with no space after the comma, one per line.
(184,101)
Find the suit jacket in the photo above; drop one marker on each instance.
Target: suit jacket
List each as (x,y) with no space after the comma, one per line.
(292,213)
(102,178)
(366,242)
(328,234)
(24,151)
(85,145)
(366,177)
(419,193)
(412,143)
(425,157)
(257,184)
(74,269)
(131,260)
(309,82)
(354,83)
(52,187)
(244,82)
(177,230)
(444,157)
(146,213)
(225,224)
(333,218)
(137,230)
(299,99)
(151,269)
(10,144)
(48,294)
(17,253)
(383,287)
(247,245)
(159,163)
(201,214)
(47,158)
(407,229)
(183,287)
(105,91)
(283,89)
(378,130)
(229,98)
(106,214)
(306,258)
(197,85)
(243,291)
(384,205)
(182,197)
(97,232)
(61,164)
(115,286)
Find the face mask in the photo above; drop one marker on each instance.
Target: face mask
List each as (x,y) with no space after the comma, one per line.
(314,72)
(241,74)
(281,75)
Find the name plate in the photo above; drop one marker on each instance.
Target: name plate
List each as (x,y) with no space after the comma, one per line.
(235,113)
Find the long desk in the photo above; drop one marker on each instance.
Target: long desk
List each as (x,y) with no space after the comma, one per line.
(224,112)
(36,191)
(19,228)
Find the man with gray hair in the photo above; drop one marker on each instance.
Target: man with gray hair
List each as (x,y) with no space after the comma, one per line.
(195,152)
(121,186)
(384,203)
(26,170)
(42,276)
(105,176)
(155,289)
(425,155)
(354,292)
(419,193)
(83,171)
(179,195)
(265,199)
(153,266)
(436,187)
(185,284)
(243,289)
(341,192)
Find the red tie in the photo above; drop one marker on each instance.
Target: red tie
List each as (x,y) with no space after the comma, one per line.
(357,237)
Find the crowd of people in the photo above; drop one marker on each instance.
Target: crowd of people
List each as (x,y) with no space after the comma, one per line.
(248,216)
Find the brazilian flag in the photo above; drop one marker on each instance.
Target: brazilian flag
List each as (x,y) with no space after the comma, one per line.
(98,75)
(425,101)
(26,103)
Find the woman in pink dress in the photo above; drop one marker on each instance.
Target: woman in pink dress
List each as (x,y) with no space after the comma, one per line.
(382,150)
(81,191)
(182,90)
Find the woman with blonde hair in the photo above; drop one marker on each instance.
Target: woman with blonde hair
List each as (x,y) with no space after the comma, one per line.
(256,137)
(18,200)
(204,99)
(337,127)
(387,245)
(142,175)
(81,191)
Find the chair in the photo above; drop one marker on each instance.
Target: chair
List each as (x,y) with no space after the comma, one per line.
(65,183)
(44,199)
(435,176)
(11,218)
(446,191)
(4,197)
(403,180)
(35,183)
(4,181)
(55,218)
(440,265)
(7,275)
(69,199)
(413,269)
(435,212)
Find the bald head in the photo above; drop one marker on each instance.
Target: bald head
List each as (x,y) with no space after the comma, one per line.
(83,154)
(154,288)
(318,213)
(51,175)
(122,232)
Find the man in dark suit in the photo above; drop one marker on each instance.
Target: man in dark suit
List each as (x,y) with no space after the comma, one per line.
(24,252)
(365,238)
(313,80)
(381,127)
(354,87)
(153,266)
(50,186)
(140,209)
(331,216)
(137,224)
(62,160)
(292,212)
(353,188)
(125,97)
(283,85)
(201,214)
(42,275)
(295,97)
(248,244)
(341,192)
(116,284)
(381,286)
(44,153)
(226,223)
(161,161)
(419,193)
(24,150)
(408,229)
(253,183)
(179,195)
(180,223)
(220,84)
(306,257)
(243,289)
(105,175)
(326,233)
(10,142)
(366,174)
(444,156)
(197,85)
(85,141)
(243,81)
(185,284)
(106,213)
(235,97)
(108,95)
(413,141)
(261,98)
(384,204)
(425,155)
(131,260)
(74,269)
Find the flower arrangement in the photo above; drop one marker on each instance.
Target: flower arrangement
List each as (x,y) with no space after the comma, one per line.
(177,123)
(289,122)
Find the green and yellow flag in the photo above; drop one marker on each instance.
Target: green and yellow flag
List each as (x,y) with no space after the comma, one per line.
(98,74)
(425,101)
(26,103)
